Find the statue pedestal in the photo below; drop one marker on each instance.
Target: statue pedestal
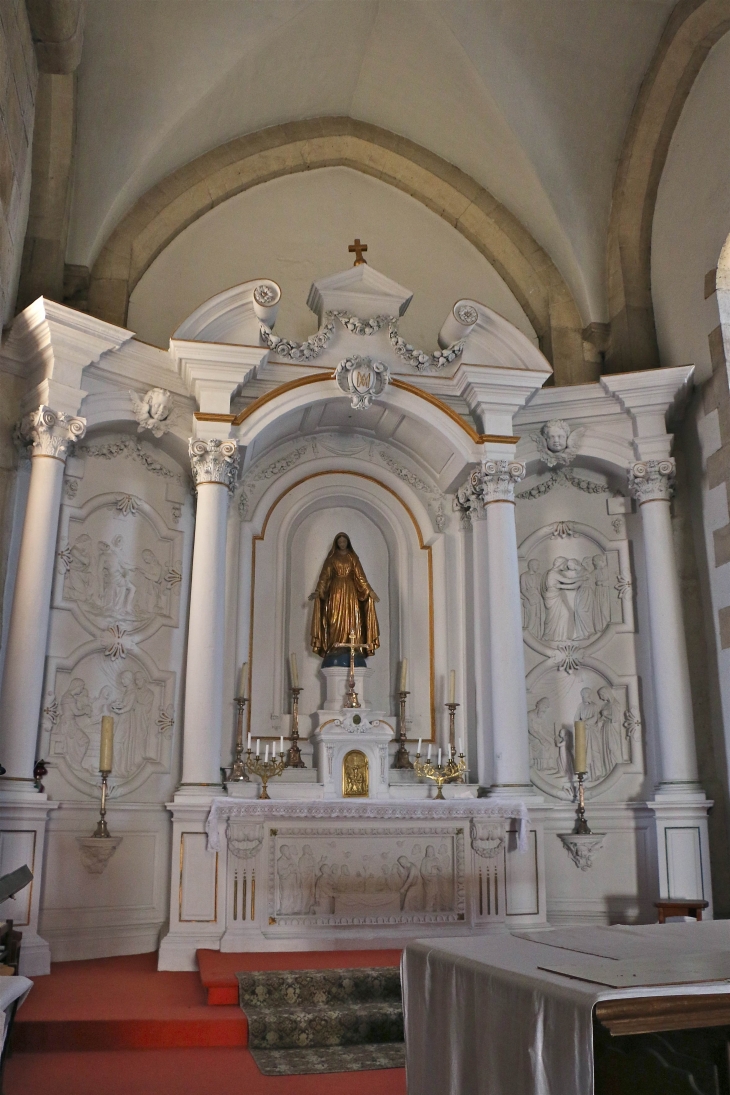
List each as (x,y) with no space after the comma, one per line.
(336,677)
(352,730)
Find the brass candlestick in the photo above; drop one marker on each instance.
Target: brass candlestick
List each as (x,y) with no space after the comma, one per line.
(402,761)
(102,829)
(293,755)
(452,716)
(451,772)
(238,771)
(350,699)
(265,769)
(581,825)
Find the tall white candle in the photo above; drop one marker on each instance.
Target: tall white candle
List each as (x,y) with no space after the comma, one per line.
(294,670)
(580,746)
(281,744)
(266,755)
(258,747)
(106,745)
(428,757)
(242,693)
(248,743)
(419,746)
(439,758)
(452,686)
(402,684)
(461,746)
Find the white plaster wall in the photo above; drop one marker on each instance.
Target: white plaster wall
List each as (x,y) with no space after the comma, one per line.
(298,228)
(692,216)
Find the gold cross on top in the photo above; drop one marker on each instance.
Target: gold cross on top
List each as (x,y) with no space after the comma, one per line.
(357,249)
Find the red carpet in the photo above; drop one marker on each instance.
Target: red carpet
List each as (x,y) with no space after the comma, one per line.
(218,971)
(122,1003)
(179,1072)
(81,1030)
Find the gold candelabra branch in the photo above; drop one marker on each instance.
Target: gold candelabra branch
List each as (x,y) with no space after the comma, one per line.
(265,769)
(581,824)
(402,761)
(238,771)
(293,755)
(451,772)
(102,829)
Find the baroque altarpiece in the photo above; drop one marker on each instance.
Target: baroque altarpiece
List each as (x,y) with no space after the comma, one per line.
(515,533)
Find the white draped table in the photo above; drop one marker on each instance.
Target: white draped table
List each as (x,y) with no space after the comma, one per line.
(483,1018)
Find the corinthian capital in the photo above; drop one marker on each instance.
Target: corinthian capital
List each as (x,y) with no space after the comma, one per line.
(51,433)
(494,481)
(213,461)
(652,480)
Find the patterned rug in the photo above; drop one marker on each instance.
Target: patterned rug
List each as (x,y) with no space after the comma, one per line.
(304,1021)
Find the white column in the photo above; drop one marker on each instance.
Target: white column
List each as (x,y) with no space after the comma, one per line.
(500,668)
(650,482)
(214,464)
(50,433)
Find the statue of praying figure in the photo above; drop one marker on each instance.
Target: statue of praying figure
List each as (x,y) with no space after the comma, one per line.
(344,601)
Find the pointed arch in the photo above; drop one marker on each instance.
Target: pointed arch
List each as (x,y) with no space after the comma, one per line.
(177,201)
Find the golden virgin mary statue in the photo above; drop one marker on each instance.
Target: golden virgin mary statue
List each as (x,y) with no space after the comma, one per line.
(344,601)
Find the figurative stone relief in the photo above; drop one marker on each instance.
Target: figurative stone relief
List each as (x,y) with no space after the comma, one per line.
(119,567)
(555,701)
(573,587)
(153,411)
(557,443)
(377,876)
(138,700)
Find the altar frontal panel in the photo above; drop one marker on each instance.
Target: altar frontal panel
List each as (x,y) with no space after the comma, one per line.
(334,876)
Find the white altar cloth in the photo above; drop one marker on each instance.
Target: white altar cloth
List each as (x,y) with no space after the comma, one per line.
(428,809)
(482,1017)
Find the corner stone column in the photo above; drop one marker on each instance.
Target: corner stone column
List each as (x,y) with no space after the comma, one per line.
(50,433)
(651,483)
(214,466)
(503,744)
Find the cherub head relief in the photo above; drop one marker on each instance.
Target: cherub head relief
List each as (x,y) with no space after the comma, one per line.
(556,443)
(153,410)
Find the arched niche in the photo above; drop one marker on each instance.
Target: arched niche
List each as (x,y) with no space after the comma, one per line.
(283,549)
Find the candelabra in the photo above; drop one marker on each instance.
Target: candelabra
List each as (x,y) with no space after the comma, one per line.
(102,829)
(238,771)
(452,716)
(402,760)
(350,699)
(452,772)
(581,825)
(293,755)
(265,769)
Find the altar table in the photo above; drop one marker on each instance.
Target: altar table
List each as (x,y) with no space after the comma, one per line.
(487,1016)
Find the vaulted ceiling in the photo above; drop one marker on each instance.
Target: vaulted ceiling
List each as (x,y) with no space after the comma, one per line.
(530,97)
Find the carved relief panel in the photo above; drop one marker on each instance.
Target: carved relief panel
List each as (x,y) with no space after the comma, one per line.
(120,565)
(120,572)
(375,876)
(134,692)
(577,599)
(575,587)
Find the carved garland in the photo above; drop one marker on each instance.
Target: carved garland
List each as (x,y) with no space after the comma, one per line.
(317,343)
